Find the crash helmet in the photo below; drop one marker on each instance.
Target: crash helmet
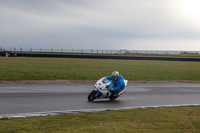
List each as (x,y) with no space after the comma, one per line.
(115,75)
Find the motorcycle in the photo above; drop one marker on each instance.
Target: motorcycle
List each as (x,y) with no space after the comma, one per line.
(101,90)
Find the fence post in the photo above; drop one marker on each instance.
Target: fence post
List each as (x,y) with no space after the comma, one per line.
(91,51)
(97,51)
(20,49)
(30,49)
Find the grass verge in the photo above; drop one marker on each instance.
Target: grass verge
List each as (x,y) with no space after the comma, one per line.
(151,120)
(172,119)
(20,68)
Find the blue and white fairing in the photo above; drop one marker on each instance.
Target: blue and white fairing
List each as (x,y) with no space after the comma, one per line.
(102,86)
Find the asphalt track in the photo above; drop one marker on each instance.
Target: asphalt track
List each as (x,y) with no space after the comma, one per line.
(22,100)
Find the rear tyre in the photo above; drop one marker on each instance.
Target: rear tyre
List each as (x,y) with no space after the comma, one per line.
(112,97)
(91,96)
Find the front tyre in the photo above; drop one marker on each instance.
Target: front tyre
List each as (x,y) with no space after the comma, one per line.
(91,96)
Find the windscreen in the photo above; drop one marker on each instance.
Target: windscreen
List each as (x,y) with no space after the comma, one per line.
(105,81)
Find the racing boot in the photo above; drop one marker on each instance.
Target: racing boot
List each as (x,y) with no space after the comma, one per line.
(121,91)
(108,94)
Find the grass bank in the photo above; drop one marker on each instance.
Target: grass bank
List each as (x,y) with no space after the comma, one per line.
(84,69)
(151,120)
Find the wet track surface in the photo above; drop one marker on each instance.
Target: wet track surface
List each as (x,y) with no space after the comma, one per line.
(30,98)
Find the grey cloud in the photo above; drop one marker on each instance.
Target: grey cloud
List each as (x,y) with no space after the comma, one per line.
(89,23)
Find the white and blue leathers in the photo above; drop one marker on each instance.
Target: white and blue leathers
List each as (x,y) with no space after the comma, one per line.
(119,83)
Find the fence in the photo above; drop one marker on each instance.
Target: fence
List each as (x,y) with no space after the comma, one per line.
(90,51)
(101,51)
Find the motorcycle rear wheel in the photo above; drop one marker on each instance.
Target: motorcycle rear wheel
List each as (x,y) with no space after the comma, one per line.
(91,96)
(112,97)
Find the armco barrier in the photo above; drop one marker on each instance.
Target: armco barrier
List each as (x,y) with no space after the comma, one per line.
(2,54)
(104,56)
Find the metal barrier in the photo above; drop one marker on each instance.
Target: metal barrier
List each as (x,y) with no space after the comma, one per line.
(90,56)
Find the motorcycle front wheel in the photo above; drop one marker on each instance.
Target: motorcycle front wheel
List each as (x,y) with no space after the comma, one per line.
(91,96)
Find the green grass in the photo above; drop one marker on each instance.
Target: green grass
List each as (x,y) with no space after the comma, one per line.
(19,68)
(150,120)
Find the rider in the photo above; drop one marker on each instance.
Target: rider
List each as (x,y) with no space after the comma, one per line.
(118,81)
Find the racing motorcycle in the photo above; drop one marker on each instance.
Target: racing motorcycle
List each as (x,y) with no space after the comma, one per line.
(101,90)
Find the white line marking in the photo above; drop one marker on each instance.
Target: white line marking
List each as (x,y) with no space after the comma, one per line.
(83,110)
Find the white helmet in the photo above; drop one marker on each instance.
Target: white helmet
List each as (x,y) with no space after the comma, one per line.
(115,75)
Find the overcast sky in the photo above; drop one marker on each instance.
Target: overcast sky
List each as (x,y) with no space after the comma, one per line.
(101,24)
